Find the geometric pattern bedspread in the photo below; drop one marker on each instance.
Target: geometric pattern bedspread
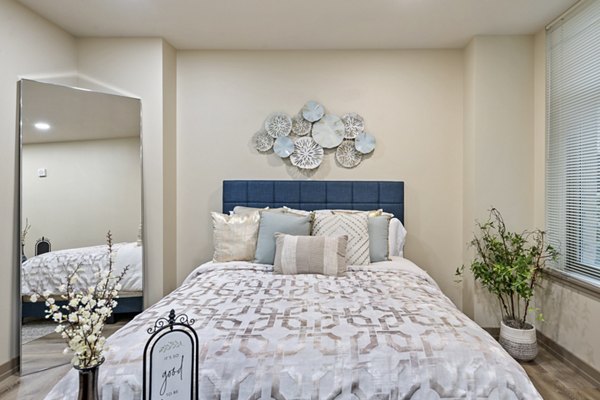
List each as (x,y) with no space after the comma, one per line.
(48,271)
(385,331)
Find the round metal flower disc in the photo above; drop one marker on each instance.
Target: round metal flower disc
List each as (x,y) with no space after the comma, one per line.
(329,131)
(354,124)
(263,141)
(365,143)
(284,146)
(347,155)
(307,153)
(313,111)
(300,126)
(278,124)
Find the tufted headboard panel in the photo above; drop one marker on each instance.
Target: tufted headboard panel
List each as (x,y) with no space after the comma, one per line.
(315,195)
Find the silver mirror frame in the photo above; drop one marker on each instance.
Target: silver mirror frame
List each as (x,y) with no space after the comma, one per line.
(19,204)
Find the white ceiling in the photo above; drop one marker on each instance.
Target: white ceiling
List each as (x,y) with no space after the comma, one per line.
(75,114)
(302,24)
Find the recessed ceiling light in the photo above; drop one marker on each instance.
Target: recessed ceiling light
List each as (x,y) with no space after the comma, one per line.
(42,126)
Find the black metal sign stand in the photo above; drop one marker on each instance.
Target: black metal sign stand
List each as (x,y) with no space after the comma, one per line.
(171,356)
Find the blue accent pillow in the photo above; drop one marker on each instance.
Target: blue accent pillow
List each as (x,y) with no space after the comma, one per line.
(378,238)
(270,224)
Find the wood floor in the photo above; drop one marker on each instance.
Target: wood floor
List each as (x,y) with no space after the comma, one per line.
(43,355)
(554,380)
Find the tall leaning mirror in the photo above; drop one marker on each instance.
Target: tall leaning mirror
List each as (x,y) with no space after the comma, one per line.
(81,177)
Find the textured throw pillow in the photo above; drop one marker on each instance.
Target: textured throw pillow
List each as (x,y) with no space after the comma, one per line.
(379,238)
(355,226)
(242,210)
(371,213)
(294,211)
(271,223)
(325,255)
(234,236)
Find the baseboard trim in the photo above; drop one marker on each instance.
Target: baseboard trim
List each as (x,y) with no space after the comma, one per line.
(9,368)
(569,358)
(562,354)
(495,332)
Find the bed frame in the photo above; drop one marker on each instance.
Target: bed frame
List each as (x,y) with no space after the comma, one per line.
(132,304)
(315,195)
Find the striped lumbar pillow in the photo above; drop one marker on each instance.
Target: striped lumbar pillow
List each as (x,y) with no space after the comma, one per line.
(355,226)
(324,255)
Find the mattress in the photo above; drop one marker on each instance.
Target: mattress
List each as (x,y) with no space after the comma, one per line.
(383,331)
(47,272)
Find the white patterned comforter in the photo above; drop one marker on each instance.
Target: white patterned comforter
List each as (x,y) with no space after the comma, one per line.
(48,271)
(385,331)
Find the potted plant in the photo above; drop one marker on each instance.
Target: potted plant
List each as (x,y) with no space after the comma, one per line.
(509,265)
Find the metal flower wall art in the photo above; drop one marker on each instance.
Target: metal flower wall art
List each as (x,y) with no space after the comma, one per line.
(304,137)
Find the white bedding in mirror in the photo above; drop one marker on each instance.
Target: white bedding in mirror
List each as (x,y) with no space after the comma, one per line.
(47,272)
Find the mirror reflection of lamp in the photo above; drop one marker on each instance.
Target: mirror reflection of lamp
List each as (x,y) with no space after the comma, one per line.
(139,236)
(42,126)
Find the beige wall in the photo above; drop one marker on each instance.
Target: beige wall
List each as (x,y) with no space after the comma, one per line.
(411,101)
(135,67)
(91,187)
(571,315)
(29,47)
(498,167)
(169,167)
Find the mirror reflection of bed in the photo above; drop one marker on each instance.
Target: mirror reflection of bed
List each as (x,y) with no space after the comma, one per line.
(80,178)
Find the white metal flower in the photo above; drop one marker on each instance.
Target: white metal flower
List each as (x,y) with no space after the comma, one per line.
(365,143)
(347,155)
(329,131)
(313,111)
(353,125)
(263,141)
(278,124)
(301,126)
(307,153)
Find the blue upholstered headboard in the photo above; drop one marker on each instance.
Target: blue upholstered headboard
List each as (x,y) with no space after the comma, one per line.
(315,195)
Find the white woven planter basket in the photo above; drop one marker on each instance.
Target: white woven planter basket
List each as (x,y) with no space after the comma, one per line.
(521,344)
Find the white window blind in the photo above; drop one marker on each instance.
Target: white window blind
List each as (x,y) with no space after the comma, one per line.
(573,140)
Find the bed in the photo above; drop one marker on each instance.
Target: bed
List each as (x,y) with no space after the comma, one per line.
(384,331)
(48,271)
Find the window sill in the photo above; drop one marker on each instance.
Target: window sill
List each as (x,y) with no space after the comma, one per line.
(575,281)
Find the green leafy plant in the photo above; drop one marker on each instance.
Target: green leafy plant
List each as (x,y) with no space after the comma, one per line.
(509,265)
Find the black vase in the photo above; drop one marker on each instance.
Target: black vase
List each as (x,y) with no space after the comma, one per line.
(88,383)
(23,257)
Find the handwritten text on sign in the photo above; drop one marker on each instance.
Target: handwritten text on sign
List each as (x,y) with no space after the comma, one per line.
(171,363)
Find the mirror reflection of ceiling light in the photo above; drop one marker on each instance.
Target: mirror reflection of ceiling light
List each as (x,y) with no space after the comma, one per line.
(42,126)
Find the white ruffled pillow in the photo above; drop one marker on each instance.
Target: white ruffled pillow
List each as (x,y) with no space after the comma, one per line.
(397,238)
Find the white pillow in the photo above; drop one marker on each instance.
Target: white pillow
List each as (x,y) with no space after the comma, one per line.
(397,238)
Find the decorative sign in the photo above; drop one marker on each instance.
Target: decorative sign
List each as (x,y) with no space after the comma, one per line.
(171,360)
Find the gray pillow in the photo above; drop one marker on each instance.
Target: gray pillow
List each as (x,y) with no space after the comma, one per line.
(271,223)
(325,255)
(379,238)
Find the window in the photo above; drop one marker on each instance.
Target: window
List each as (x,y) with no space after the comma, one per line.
(573,140)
